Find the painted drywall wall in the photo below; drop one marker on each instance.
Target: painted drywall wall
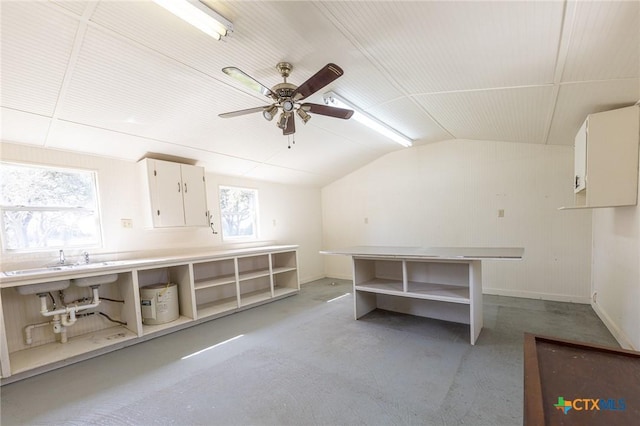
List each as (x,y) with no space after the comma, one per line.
(616,271)
(288,214)
(451,193)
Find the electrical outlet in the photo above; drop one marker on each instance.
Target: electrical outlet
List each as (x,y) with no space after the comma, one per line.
(366,220)
(126,223)
(500,212)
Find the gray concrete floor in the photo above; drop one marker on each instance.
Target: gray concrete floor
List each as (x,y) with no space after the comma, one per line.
(303,361)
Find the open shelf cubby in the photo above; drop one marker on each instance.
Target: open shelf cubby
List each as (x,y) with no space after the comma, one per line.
(180,275)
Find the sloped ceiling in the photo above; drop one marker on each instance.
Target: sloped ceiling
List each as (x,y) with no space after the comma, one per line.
(125,78)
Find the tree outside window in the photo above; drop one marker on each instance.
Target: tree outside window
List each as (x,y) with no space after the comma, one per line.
(239,213)
(47,208)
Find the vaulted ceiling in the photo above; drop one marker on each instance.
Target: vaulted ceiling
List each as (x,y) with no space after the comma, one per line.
(126,78)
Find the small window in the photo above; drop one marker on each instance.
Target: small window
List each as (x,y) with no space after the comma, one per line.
(239,213)
(48,208)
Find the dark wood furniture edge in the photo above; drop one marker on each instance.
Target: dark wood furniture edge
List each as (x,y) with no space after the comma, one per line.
(533,408)
(533,404)
(582,345)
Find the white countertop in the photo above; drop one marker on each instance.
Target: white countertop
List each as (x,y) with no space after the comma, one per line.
(59,272)
(445,253)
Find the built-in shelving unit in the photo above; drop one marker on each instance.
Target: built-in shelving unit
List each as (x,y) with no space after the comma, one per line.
(215,284)
(178,274)
(441,283)
(254,279)
(208,286)
(431,288)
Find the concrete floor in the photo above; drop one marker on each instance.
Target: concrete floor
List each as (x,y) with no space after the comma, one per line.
(303,361)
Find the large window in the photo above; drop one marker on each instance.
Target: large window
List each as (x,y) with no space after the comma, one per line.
(48,208)
(239,213)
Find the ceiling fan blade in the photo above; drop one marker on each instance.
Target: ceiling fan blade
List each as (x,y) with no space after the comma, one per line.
(248,81)
(242,112)
(327,110)
(290,127)
(326,75)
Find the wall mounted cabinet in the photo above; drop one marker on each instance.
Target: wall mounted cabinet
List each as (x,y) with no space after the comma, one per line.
(208,286)
(176,193)
(606,159)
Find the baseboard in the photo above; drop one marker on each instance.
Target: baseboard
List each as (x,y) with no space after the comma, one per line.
(617,333)
(306,280)
(536,295)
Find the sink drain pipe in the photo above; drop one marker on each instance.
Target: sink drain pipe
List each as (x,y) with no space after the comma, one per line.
(66,317)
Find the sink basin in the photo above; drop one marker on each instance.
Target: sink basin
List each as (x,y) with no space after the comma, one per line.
(42,287)
(96,280)
(70,266)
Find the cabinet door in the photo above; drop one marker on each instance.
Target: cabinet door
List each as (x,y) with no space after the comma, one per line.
(167,184)
(194,195)
(580,159)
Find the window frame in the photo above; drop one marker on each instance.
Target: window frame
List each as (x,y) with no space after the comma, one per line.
(96,211)
(256,215)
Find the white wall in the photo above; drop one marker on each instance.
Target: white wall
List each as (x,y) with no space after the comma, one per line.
(295,210)
(449,194)
(616,271)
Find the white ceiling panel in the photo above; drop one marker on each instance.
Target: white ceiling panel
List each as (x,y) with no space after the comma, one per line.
(440,46)
(33,61)
(122,78)
(76,6)
(23,127)
(406,116)
(517,115)
(605,41)
(577,100)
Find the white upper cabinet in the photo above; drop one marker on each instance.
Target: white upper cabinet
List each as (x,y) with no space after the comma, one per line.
(176,193)
(606,159)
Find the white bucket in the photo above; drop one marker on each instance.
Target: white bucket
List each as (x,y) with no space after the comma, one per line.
(159,303)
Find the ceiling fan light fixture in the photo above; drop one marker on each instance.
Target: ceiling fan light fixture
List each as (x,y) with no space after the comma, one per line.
(331,99)
(199,15)
(282,121)
(303,115)
(270,112)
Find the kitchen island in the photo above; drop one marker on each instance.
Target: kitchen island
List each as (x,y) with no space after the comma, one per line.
(444,283)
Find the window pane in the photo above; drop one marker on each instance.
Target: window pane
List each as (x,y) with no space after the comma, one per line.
(239,212)
(48,229)
(46,187)
(47,207)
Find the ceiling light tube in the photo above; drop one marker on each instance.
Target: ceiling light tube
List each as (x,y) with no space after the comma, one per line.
(199,15)
(332,99)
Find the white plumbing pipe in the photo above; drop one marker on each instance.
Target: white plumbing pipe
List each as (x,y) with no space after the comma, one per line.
(28,339)
(66,311)
(69,319)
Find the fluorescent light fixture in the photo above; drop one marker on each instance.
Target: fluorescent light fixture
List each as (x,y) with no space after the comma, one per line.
(199,15)
(211,347)
(332,99)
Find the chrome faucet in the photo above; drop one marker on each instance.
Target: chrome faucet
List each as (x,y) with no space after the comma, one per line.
(86,256)
(61,261)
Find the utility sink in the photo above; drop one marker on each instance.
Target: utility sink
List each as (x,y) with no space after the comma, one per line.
(67,267)
(96,280)
(42,287)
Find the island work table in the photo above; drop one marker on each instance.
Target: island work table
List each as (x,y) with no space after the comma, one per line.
(437,282)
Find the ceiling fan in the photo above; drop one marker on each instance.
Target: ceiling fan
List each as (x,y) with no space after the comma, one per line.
(286,96)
